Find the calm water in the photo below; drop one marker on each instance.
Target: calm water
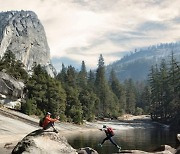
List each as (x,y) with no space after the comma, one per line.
(145,139)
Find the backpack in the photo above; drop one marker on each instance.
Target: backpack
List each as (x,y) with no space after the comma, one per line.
(110,131)
(41,121)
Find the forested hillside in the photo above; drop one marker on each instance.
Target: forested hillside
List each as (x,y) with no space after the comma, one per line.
(85,95)
(136,65)
(164,82)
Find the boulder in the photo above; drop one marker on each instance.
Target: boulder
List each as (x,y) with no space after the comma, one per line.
(40,142)
(11,90)
(87,150)
(10,86)
(164,149)
(22,33)
(178,137)
(178,150)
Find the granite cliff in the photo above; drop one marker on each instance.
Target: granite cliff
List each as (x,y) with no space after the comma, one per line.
(11,90)
(22,33)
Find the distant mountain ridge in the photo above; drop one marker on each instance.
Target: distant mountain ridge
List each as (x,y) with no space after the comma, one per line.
(136,65)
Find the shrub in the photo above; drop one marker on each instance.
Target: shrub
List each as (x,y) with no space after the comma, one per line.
(139,111)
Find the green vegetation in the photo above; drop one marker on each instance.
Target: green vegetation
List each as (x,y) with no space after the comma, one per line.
(44,94)
(13,67)
(165,91)
(80,95)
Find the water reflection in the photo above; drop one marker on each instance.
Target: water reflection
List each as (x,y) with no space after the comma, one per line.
(138,138)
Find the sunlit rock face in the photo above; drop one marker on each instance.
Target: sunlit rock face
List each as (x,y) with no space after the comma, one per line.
(11,90)
(22,33)
(43,142)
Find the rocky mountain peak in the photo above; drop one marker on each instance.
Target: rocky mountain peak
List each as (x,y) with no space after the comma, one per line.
(22,33)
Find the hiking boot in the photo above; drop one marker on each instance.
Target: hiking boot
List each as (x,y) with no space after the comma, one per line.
(100,144)
(54,130)
(119,147)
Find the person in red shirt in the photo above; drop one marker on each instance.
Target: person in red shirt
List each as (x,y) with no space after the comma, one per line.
(49,122)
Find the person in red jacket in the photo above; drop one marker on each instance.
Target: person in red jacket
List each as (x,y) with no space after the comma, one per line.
(109,134)
(49,122)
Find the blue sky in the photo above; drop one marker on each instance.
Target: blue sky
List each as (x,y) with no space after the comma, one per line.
(83,29)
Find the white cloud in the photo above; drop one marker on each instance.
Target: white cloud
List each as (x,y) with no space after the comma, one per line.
(82,29)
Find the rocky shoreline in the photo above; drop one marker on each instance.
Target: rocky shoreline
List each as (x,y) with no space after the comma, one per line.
(15,126)
(40,141)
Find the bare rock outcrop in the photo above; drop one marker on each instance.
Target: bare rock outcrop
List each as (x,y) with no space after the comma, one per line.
(11,90)
(40,142)
(164,149)
(87,150)
(22,33)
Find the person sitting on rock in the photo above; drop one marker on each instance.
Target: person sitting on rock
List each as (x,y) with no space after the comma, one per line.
(49,122)
(109,134)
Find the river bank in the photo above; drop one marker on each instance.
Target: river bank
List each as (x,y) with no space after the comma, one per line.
(14,126)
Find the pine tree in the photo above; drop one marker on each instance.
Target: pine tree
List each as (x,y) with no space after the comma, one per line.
(174,85)
(146,99)
(139,89)
(56,97)
(118,90)
(8,60)
(91,80)
(130,96)
(71,77)
(44,94)
(108,101)
(155,93)
(62,75)
(100,85)
(12,66)
(82,76)
(164,90)
(73,107)
(89,101)
(100,73)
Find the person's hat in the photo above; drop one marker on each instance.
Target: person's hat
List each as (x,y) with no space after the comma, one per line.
(104,126)
(48,113)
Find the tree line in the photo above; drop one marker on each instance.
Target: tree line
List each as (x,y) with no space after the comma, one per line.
(85,95)
(165,91)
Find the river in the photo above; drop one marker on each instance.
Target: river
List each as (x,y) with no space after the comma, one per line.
(140,136)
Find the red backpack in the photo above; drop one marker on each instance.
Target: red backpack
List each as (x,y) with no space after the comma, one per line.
(110,131)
